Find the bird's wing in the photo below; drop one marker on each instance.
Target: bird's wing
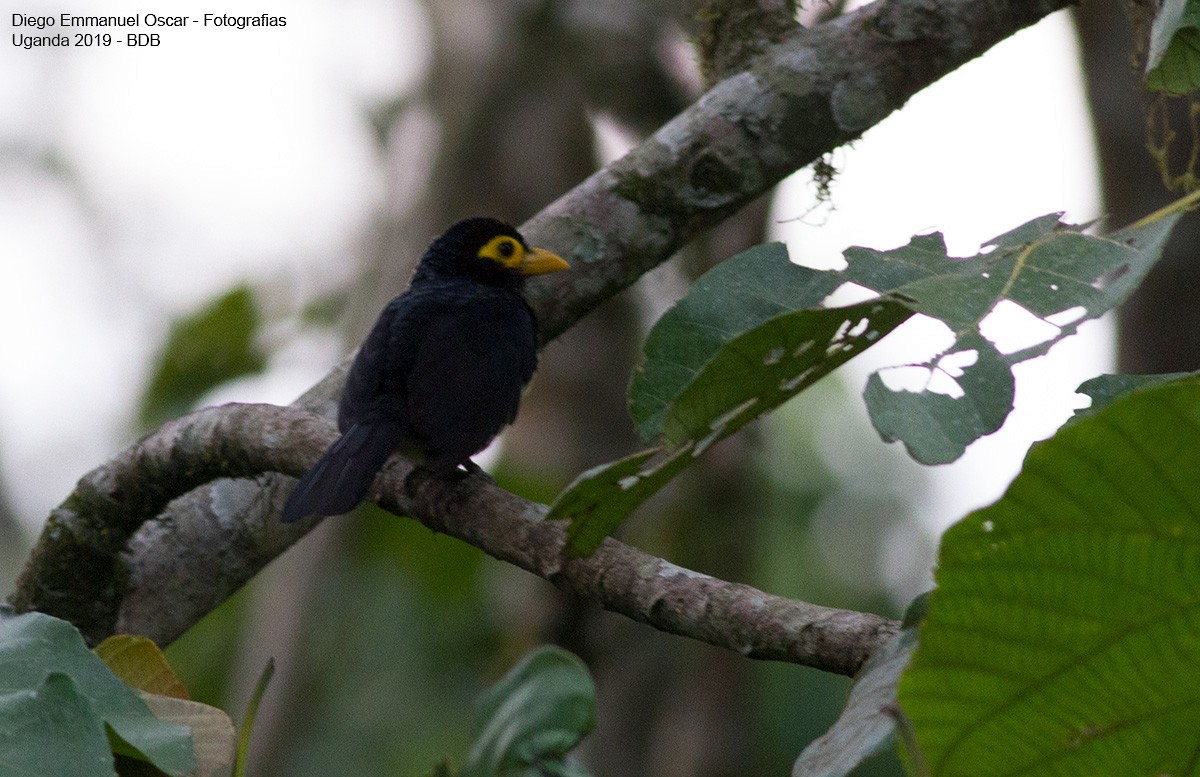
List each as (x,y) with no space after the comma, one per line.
(375,386)
(465,382)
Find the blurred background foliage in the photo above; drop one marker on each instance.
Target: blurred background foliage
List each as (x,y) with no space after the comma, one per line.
(385,633)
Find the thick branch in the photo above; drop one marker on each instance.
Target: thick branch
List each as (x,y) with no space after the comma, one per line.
(800,99)
(803,97)
(244,440)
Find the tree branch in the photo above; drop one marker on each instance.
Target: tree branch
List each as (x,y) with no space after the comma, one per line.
(104,561)
(110,503)
(803,97)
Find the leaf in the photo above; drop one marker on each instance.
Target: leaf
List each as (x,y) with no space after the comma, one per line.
(214,345)
(213,737)
(868,723)
(141,665)
(243,740)
(533,717)
(1044,267)
(1103,389)
(51,729)
(936,427)
(1166,23)
(748,337)
(601,497)
(1064,628)
(33,645)
(751,334)
(750,375)
(1173,61)
(733,298)
(761,369)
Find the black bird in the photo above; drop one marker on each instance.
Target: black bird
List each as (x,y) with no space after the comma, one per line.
(442,370)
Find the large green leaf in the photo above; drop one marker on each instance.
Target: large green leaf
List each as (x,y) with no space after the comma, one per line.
(211,346)
(533,717)
(1103,389)
(51,729)
(1064,633)
(34,646)
(751,374)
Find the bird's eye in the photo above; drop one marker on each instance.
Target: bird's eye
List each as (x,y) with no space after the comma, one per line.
(506,249)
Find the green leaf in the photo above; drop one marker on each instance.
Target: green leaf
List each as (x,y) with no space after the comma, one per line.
(51,730)
(601,497)
(32,646)
(733,298)
(751,334)
(936,427)
(750,374)
(1063,636)
(748,337)
(243,740)
(868,723)
(1173,61)
(533,717)
(1045,267)
(214,345)
(1103,389)
(761,369)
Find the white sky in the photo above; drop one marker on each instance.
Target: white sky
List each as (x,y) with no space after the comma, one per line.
(225,155)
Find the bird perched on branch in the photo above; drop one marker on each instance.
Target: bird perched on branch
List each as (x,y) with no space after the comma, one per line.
(442,370)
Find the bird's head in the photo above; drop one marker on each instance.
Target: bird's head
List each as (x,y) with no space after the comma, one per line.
(487,250)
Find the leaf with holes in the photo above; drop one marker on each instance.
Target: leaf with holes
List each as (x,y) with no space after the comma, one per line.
(1064,624)
(752,333)
(936,427)
(1048,269)
(761,369)
(733,298)
(749,336)
(750,375)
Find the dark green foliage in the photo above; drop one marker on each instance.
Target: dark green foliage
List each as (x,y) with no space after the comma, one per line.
(752,333)
(1045,267)
(531,720)
(1064,622)
(58,699)
(214,345)
(1173,62)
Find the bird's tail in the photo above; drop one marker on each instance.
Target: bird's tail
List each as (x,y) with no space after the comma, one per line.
(342,477)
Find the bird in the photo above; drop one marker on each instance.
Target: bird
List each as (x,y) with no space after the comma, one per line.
(442,370)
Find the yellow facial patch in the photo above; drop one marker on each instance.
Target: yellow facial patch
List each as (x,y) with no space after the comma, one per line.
(504,250)
(509,252)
